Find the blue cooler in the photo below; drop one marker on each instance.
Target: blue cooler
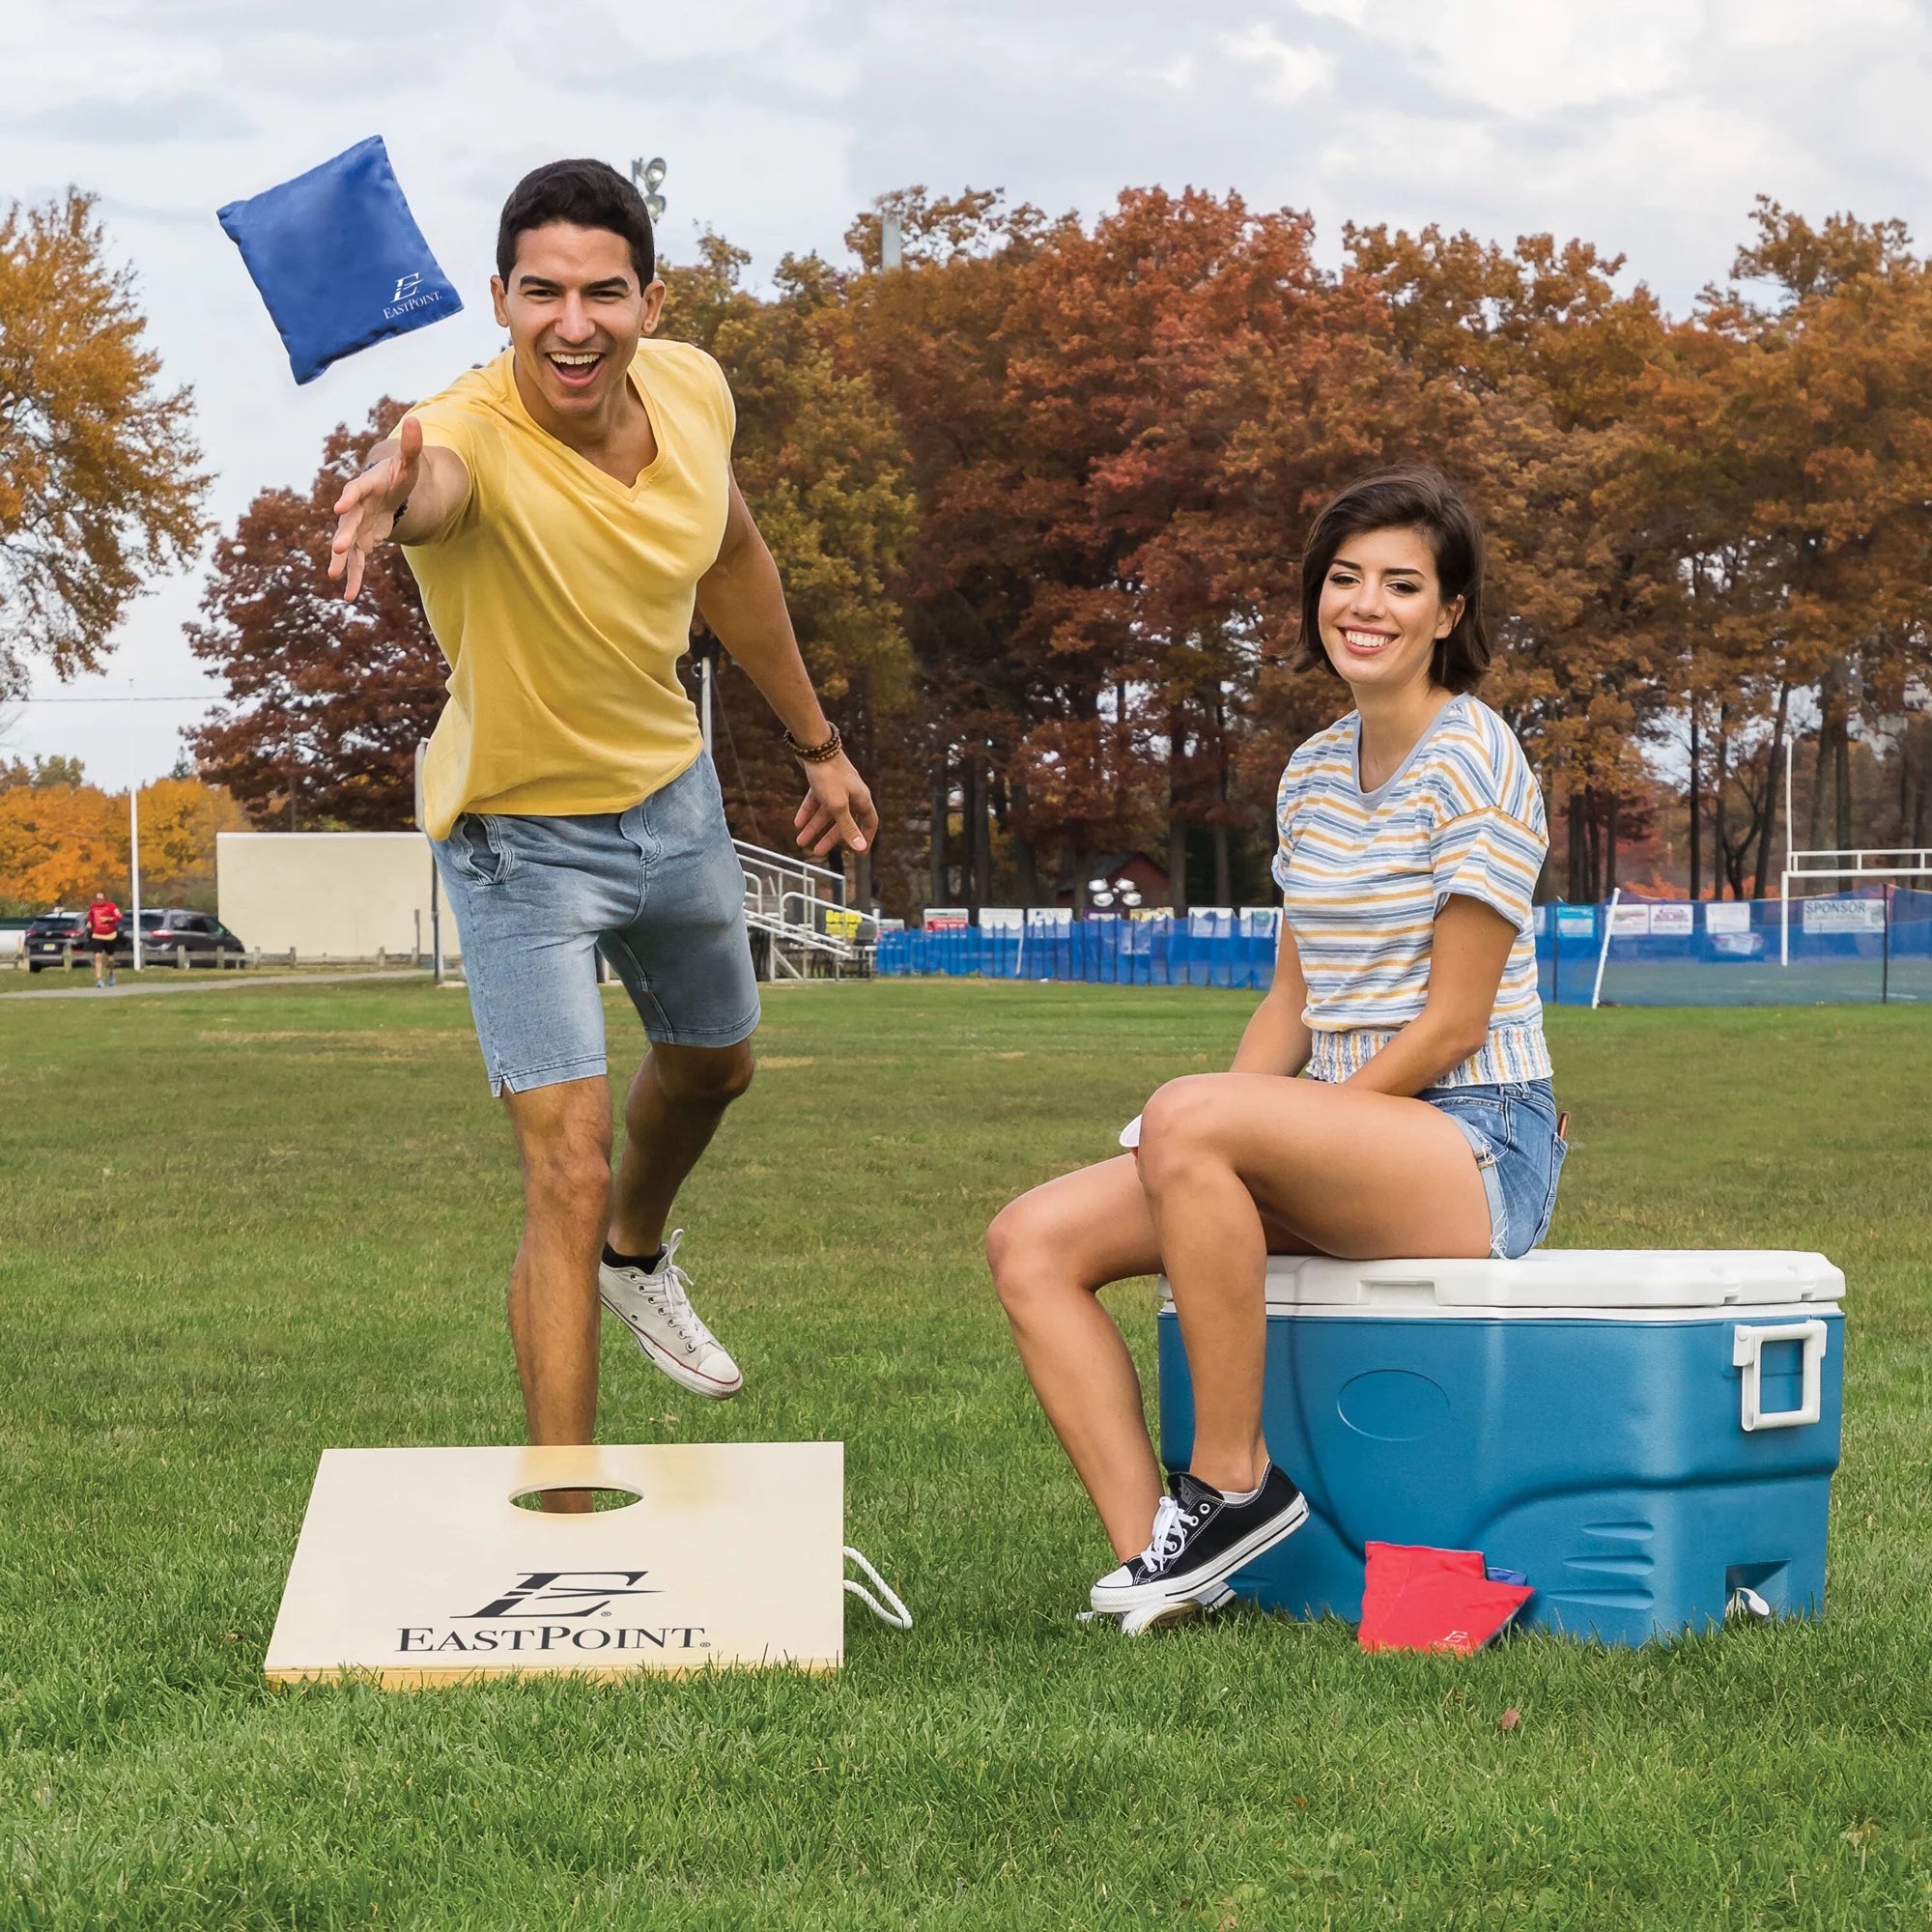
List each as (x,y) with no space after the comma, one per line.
(1642,1434)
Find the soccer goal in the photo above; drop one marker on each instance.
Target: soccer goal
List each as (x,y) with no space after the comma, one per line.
(1864,866)
(1868,945)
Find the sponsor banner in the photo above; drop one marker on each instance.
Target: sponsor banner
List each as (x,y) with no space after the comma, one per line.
(1576,922)
(1727,916)
(1672,922)
(1001,919)
(1629,921)
(944,919)
(1843,914)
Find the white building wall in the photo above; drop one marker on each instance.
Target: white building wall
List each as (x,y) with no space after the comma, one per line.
(329,895)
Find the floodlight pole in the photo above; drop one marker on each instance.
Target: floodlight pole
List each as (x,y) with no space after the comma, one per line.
(647,178)
(134,824)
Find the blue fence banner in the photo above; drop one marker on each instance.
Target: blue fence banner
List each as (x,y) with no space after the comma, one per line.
(1214,950)
(1847,948)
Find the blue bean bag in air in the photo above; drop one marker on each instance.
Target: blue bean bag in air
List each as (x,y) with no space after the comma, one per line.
(338,258)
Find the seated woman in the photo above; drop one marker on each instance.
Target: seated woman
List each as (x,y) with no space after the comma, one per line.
(1411,834)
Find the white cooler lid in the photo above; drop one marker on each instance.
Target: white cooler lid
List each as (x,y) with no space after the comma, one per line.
(1561,1278)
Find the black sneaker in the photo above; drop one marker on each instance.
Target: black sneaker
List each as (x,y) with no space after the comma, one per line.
(1200,1540)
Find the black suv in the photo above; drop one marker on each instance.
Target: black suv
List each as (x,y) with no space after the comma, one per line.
(44,937)
(170,936)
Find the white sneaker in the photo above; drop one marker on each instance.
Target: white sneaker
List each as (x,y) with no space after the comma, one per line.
(655,1305)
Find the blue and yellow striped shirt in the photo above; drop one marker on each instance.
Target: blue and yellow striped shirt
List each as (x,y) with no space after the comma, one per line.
(1363,875)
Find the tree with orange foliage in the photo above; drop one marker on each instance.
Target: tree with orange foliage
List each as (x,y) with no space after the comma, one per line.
(61,839)
(1783,443)
(57,844)
(819,456)
(100,484)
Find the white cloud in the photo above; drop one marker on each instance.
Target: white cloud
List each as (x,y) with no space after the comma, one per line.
(1288,72)
(1644,125)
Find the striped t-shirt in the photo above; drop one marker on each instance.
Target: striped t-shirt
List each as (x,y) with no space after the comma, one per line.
(1363,875)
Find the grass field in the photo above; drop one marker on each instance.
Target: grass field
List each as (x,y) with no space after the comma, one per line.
(239,1228)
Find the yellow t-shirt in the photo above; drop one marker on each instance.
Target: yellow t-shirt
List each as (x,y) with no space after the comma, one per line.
(562,598)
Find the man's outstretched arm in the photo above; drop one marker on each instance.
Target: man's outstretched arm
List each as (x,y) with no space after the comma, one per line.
(429,486)
(743,602)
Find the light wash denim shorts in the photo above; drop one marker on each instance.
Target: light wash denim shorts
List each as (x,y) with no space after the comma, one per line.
(1513,1130)
(657,889)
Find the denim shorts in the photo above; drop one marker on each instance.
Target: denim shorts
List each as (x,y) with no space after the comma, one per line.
(658,890)
(1513,1130)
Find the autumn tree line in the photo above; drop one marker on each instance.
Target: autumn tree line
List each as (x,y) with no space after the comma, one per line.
(1037,496)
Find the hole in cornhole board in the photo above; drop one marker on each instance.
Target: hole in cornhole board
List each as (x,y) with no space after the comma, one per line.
(420,1567)
(600,1500)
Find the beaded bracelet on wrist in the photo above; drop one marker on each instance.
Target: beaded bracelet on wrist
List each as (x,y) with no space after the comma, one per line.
(816,755)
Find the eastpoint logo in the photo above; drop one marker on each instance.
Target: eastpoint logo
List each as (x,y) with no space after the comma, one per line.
(556,1610)
(406,298)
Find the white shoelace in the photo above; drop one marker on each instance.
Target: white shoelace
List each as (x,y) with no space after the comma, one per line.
(1171,1525)
(669,1286)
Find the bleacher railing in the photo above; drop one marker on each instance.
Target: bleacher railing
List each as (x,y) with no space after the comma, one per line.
(800,909)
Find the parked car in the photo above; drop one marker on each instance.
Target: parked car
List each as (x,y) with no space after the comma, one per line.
(170,936)
(46,936)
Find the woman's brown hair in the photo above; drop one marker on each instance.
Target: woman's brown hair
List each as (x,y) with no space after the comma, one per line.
(1405,500)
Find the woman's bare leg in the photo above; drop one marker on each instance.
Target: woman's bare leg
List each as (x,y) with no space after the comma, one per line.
(1351,1173)
(1051,1251)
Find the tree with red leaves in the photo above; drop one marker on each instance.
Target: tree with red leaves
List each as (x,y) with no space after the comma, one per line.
(327,700)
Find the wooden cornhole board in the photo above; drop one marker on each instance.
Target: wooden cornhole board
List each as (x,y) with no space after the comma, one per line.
(415,1567)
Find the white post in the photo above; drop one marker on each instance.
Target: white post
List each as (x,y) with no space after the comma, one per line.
(1604,952)
(435,878)
(134,824)
(1787,803)
(1785,919)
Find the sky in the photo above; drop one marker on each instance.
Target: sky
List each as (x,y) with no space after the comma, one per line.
(1645,126)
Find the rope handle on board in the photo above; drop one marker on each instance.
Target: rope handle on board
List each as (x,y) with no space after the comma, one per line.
(899,1616)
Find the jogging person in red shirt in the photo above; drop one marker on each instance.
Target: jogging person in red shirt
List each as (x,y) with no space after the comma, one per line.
(104,934)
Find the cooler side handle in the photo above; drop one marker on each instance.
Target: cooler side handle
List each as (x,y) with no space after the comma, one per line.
(1747,1355)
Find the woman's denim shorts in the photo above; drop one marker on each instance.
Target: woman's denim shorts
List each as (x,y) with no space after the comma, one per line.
(1513,1130)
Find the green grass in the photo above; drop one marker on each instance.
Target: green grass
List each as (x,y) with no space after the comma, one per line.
(239,1228)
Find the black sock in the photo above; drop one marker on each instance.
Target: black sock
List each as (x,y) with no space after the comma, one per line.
(614,1260)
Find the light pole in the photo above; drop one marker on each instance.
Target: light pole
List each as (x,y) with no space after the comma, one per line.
(647,178)
(135,822)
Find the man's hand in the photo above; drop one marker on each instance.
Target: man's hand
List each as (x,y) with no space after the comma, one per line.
(365,513)
(837,810)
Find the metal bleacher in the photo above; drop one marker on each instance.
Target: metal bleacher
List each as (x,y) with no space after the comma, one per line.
(800,909)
